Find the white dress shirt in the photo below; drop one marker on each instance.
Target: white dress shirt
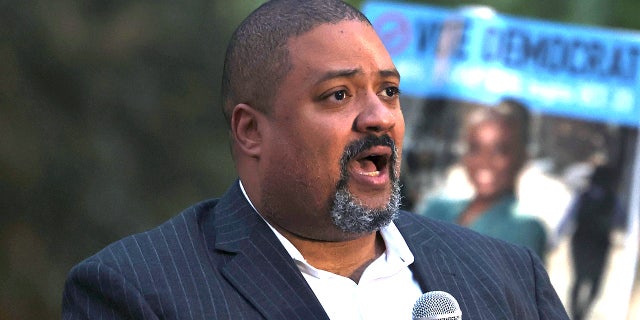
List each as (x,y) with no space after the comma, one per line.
(387,289)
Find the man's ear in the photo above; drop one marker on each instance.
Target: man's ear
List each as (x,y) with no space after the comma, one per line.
(245,128)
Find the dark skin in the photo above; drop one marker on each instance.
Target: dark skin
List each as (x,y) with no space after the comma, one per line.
(492,162)
(337,92)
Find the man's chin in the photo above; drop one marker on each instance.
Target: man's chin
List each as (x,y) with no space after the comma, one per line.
(372,199)
(374,204)
(364,213)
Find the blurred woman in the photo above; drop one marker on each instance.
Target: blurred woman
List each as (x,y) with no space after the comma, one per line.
(495,141)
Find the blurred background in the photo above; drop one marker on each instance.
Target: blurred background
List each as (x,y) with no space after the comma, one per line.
(110,123)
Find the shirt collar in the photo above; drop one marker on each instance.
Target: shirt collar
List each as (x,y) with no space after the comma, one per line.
(397,251)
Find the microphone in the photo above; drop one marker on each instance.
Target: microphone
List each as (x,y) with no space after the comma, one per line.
(436,305)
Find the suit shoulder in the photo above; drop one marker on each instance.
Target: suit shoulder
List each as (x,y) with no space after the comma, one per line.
(512,275)
(471,249)
(453,234)
(158,242)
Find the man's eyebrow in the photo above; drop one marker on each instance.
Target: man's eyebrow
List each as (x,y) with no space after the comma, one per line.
(348,73)
(343,73)
(389,73)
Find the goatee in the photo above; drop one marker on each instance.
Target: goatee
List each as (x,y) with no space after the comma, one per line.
(347,212)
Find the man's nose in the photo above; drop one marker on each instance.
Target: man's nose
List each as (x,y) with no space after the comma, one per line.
(376,116)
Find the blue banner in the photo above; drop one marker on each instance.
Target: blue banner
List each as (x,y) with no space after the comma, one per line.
(477,55)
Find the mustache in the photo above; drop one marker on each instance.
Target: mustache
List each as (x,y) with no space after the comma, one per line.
(367,142)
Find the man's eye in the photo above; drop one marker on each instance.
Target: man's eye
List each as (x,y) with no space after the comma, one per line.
(340,95)
(336,96)
(392,91)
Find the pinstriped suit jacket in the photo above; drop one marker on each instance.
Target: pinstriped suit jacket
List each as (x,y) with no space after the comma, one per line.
(219,260)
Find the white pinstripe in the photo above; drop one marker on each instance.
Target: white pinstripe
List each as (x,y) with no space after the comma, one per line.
(218,260)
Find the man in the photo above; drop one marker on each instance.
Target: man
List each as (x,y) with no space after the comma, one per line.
(311,96)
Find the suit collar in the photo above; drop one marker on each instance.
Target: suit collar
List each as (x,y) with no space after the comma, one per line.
(426,247)
(232,222)
(264,273)
(441,263)
(258,266)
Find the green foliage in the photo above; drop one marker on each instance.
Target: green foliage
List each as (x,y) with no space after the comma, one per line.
(110,123)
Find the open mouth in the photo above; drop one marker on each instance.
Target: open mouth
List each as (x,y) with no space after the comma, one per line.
(373,162)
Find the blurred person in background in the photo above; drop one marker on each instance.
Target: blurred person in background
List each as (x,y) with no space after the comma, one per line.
(495,150)
(592,216)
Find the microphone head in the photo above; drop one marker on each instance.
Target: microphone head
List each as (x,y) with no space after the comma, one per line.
(436,305)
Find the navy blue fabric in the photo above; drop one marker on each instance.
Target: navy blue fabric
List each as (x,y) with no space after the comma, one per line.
(219,260)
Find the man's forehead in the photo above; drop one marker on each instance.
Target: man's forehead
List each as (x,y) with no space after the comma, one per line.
(342,47)
(327,33)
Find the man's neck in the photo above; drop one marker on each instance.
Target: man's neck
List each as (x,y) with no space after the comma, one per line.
(346,258)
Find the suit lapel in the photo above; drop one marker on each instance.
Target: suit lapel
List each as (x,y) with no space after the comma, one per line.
(430,266)
(272,283)
(260,268)
(263,272)
(440,267)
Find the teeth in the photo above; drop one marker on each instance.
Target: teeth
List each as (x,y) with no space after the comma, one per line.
(371,174)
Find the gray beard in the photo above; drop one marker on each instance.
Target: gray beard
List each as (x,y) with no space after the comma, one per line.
(349,215)
(347,212)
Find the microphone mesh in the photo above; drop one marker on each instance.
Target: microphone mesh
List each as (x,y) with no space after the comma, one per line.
(436,305)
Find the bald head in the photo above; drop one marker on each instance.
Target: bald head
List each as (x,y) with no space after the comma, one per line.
(257,58)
